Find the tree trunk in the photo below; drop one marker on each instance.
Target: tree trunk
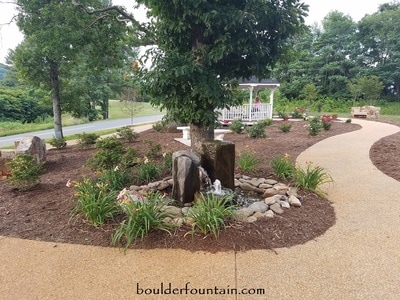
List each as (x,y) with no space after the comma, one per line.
(104,108)
(55,97)
(198,135)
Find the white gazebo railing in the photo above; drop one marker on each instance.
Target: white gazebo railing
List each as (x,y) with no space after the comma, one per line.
(247,113)
(250,113)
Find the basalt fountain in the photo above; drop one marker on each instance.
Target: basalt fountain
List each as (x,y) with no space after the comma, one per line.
(212,169)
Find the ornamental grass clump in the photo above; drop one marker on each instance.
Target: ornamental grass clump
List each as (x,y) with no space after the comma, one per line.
(95,202)
(311,178)
(283,167)
(141,217)
(116,179)
(147,171)
(248,161)
(210,213)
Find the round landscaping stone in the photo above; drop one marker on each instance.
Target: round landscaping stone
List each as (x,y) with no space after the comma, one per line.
(259,206)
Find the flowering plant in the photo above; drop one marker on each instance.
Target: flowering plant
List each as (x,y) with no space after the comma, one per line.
(326,122)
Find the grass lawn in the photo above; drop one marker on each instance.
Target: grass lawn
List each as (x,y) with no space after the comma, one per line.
(117,110)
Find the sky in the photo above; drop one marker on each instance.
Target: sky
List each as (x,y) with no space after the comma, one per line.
(10,36)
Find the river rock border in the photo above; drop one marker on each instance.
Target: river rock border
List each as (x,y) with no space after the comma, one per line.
(274,196)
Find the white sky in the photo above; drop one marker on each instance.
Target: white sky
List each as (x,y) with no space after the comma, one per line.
(10,37)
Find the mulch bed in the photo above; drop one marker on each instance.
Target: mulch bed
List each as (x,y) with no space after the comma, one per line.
(44,213)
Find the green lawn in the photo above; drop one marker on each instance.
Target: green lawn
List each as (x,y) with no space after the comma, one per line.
(116,111)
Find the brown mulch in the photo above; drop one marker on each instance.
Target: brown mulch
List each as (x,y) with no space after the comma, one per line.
(44,213)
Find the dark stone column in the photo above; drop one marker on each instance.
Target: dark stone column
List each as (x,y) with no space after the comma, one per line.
(218,159)
(185,173)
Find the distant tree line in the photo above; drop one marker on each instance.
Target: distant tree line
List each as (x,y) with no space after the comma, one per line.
(343,59)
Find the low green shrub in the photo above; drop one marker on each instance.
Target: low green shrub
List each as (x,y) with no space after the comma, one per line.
(237,126)
(58,143)
(257,130)
(129,158)
(210,214)
(25,172)
(297,114)
(314,126)
(348,121)
(266,122)
(141,218)
(108,156)
(96,203)
(285,127)
(166,124)
(326,125)
(248,161)
(127,133)
(158,126)
(87,139)
(154,150)
(283,115)
(283,167)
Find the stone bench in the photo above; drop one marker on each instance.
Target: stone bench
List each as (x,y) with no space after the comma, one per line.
(369,112)
(219,134)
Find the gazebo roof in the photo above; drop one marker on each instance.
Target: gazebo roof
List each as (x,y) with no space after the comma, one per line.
(257,84)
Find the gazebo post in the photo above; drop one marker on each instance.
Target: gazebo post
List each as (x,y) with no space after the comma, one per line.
(271,102)
(250,101)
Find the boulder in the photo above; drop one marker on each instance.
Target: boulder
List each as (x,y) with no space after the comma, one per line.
(34,146)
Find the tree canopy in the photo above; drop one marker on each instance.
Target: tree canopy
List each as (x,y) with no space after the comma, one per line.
(342,52)
(57,35)
(203,46)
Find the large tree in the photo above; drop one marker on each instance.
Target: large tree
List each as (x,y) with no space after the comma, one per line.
(56,33)
(379,37)
(334,54)
(202,46)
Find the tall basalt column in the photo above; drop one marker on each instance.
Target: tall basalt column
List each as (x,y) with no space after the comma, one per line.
(218,159)
(185,173)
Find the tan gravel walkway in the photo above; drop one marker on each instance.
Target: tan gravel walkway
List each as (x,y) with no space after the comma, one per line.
(358,258)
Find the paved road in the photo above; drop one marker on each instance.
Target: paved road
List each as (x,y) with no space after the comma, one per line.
(89,127)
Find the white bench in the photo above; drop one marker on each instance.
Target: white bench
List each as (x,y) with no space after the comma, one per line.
(218,133)
(185,132)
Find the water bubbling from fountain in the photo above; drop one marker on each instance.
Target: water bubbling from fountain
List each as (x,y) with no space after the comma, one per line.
(217,187)
(204,178)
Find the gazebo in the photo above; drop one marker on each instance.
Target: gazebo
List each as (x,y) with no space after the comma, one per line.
(247,112)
